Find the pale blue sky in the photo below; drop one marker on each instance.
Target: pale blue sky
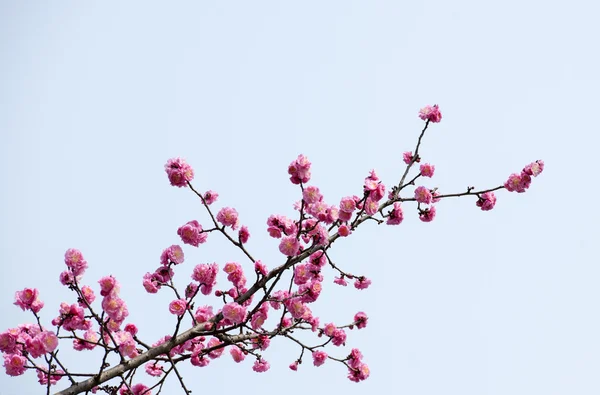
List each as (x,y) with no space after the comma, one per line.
(95,97)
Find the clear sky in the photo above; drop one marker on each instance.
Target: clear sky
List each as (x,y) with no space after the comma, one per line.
(96,96)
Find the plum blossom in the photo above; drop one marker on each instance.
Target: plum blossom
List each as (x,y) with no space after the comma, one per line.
(179,172)
(430,113)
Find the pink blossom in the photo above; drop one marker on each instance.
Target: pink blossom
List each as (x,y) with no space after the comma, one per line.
(430,113)
(179,172)
(235,274)
(108,284)
(395,216)
(294,366)
(34,347)
(192,233)
(260,365)
(237,354)
(360,320)
(244,234)
(360,373)
(329,329)
(14,364)
(74,261)
(88,296)
(262,342)
(151,283)
(486,201)
(203,314)
(206,275)
(310,292)
(191,290)
(344,231)
(66,277)
(299,170)
(535,168)
(319,357)
(289,246)
(427,215)
(296,307)
(423,195)
(362,283)
(154,369)
(173,254)
(210,197)
(311,195)
(228,216)
(8,342)
(408,157)
(136,389)
(348,204)
(258,320)
(339,337)
(28,299)
(355,358)
(178,307)
(48,340)
(216,353)
(371,206)
(340,281)
(234,313)
(427,170)
(131,328)
(54,378)
(434,196)
(261,268)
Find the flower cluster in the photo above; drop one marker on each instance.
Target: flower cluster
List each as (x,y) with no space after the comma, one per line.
(247,315)
(521,182)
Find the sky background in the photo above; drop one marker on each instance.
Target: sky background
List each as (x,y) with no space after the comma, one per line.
(95,97)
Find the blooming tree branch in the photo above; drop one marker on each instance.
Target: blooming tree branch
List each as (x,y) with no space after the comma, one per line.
(244,317)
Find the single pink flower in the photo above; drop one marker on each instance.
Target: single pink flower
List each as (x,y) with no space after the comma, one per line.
(237,354)
(260,365)
(228,216)
(311,195)
(344,231)
(362,283)
(427,215)
(14,364)
(340,281)
(192,233)
(154,369)
(319,358)
(360,320)
(289,246)
(74,261)
(535,168)
(339,337)
(210,197)
(179,172)
(427,170)
(178,307)
(173,254)
(396,216)
(261,268)
(206,275)
(234,312)
(244,234)
(423,195)
(486,201)
(430,113)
